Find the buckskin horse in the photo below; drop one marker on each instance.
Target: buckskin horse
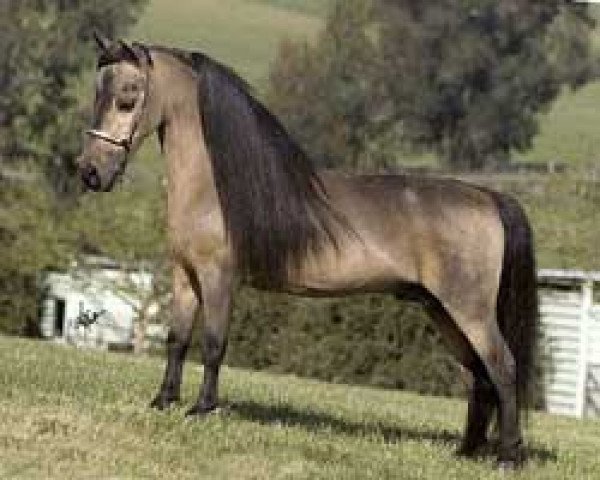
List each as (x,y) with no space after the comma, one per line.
(245,205)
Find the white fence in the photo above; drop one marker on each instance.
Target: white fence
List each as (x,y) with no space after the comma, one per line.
(570,324)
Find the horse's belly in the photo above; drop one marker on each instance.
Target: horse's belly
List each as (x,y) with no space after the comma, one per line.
(351,269)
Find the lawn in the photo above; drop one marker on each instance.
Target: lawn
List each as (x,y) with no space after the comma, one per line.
(70,413)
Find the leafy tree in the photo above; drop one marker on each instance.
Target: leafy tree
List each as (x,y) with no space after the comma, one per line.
(323,92)
(469,77)
(464,78)
(30,240)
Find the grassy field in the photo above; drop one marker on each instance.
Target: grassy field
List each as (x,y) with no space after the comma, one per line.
(70,413)
(568,131)
(241,33)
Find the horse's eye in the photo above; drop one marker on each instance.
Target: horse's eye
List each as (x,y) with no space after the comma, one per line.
(131,89)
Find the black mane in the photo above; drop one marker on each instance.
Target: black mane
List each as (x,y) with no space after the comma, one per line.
(274,204)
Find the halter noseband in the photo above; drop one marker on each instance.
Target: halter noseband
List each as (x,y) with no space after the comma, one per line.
(124,143)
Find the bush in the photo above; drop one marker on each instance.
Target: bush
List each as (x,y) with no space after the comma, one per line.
(366,339)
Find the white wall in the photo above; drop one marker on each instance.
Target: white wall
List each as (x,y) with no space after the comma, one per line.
(114,291)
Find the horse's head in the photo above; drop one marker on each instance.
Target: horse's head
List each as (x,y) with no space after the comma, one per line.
(122,117)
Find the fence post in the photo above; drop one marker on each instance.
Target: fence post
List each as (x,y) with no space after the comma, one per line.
(586,307)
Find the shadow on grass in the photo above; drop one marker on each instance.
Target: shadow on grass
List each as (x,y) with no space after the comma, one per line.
(287,415)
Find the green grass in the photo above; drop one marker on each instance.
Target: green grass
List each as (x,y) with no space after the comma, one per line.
(313,7)
(70,413)
(241,33)
(569,130)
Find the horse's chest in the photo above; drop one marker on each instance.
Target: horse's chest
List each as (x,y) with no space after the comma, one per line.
(197,236)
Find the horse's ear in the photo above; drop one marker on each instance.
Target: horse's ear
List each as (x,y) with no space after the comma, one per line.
(140,47)
(129,52)
(104,43)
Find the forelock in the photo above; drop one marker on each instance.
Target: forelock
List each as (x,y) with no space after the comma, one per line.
(105,77)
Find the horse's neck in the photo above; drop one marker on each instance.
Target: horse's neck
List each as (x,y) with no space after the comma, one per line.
(191,185)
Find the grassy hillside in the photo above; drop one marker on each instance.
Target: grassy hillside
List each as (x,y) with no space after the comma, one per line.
(569,130)
(314,7)
(241,33)
(69,413)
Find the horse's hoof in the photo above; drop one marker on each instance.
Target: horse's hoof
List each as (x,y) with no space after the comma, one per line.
(201,409)
(465,452)
(469,450)
(510,464)
(512,459)
(507,466)
(162,403)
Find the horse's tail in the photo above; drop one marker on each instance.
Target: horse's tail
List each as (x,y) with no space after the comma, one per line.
(517,304)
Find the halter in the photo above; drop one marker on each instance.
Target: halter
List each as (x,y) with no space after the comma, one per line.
(124,143)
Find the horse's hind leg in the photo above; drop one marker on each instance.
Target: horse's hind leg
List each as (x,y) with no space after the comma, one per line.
(216,299)
(185,305)
(482,393)
(486,340)
(482,404)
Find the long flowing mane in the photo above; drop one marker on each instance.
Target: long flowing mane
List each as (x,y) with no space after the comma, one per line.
(274,205)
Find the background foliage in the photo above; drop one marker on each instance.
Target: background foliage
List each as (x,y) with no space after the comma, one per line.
(463,79)
(372,340)
(44,50)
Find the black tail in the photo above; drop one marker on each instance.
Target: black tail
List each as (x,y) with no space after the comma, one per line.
(517,304)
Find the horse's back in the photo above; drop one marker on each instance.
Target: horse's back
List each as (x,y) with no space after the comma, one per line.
(436,232)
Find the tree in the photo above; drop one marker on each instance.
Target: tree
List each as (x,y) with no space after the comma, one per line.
(469,77)
(367,339)
(323,92)
(30,240)
(464,78)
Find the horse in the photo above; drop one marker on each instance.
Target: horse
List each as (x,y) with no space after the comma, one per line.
(246,205)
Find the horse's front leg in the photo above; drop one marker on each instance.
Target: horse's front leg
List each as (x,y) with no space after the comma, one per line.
(216,299)
(185,306)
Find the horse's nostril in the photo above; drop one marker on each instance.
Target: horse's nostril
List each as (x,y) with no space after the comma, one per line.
(90,177)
